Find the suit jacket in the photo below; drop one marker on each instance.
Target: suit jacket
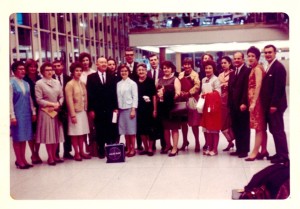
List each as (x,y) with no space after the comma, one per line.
(102,99)
(66,79)
(238,88)
(272,91)
(160,74)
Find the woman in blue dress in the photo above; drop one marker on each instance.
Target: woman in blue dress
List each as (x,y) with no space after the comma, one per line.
(22,113)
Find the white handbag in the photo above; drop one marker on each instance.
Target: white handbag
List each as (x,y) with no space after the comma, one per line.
(192,103)
(200,105)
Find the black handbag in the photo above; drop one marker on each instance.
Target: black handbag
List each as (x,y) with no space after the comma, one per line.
(179,110)
(115,153)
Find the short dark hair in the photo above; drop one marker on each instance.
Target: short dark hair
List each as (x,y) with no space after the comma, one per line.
(212,63)
(57,61)
(31,62)
(75,65)
(16,64)
(142,65)
(46,64)
(188,60)
(152,55)
(168,64)
(83,55)
(228,59)
(129,49)
(271,45)
(255,51)
(208,54)
(124,66)
(111,59)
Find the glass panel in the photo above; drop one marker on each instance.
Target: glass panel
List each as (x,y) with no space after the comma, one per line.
(46,46)
(86,25)
(23,19)
(76,48)
(75,24)
(25,49)
(62,50)
(61,22)
(87,46)
(44,21)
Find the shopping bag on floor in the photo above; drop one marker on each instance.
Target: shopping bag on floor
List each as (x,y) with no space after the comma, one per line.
(115,153)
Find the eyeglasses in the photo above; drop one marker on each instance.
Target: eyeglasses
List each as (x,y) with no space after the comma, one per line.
(129,55)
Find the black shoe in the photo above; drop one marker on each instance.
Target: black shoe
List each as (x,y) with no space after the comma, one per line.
(140,148)
(144,152)
(242,155)
(234,153)
(279,160)
(67,155)
(21,166)
(272,157)
(150,154)
(101,156)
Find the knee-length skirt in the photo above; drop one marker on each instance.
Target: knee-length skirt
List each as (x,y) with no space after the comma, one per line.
(81,127)
(127,125)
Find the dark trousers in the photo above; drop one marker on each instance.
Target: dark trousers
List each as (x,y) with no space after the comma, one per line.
(241,129)
(276,127)
(67,143)
(159,129)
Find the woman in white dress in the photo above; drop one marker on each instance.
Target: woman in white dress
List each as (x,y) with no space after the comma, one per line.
(76,99)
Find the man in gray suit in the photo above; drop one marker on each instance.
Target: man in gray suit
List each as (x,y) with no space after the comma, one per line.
(274,102)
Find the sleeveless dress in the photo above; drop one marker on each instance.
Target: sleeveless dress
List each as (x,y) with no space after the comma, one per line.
(165,107)
(21,104)
(257,119)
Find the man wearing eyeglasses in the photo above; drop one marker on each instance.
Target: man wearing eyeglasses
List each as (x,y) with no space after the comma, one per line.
(129,57)
(274,102)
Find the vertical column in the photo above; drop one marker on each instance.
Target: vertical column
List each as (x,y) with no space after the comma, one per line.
(162,54)
(178,61)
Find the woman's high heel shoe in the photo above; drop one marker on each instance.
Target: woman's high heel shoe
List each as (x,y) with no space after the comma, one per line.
(173,154)
(166,150)
(229,146)
(261,156)
(184,145)
(21,166)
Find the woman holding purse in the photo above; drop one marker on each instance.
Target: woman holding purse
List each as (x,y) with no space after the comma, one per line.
(190,86)
(211,116)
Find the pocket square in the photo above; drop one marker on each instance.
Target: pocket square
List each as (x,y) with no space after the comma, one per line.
(270,75)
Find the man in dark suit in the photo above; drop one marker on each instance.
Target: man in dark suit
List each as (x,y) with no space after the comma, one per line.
(102,102)
(129,57)
(238,104)
(156,73)
(63,79)
(274,102)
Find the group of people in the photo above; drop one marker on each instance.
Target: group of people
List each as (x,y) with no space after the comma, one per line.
(138,103)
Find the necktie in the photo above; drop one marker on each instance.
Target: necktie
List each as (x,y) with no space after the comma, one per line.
(103,79)
(59,80)
(236,71)
(154,75)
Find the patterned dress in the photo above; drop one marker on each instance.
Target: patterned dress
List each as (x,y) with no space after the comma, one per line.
(257,119)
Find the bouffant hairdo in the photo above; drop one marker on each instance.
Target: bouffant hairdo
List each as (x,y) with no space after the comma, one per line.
(83,55)
(255,51)
(75,65)
(46,64)
(188,60)
(168,64)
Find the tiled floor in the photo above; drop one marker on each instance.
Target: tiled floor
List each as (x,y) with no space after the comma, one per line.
(188,176)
